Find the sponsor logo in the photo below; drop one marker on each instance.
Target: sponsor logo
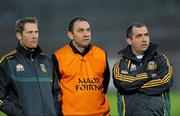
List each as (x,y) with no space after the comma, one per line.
(19,67)
(89,84)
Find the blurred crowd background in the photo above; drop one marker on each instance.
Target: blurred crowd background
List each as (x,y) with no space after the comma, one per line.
(108,18)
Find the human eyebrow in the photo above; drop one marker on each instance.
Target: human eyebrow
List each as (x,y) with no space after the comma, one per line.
(80,29)
(88,29)
(33,31)
(139,35)
(146,34)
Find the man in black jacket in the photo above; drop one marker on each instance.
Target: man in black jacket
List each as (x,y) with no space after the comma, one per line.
(142,76)
(28,82)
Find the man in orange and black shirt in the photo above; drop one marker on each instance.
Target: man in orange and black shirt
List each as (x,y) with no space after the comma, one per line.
(83,72)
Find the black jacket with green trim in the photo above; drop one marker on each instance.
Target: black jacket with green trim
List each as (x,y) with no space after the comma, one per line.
(28,84)
(143,85)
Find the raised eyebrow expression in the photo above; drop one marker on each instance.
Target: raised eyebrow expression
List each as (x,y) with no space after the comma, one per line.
(140,35)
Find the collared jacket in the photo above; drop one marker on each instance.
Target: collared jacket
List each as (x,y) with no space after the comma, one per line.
(143,85)
(84,79)
(28,84)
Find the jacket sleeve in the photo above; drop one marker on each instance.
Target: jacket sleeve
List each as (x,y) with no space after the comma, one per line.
(161,80)
(56,65)
(56,93)
(106,76)
(8,104)
(126,81)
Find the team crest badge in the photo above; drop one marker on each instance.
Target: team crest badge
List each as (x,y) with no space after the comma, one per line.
(19,67)
(43,68)
(151,65)
(133,67)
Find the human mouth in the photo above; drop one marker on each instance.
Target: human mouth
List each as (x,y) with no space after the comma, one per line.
(86,40)
(34,42)
(144,45)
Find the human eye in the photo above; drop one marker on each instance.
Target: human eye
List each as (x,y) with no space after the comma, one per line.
(89,30)
(80,30)
(146,34)
(36,31)
(138,36)
(29,32)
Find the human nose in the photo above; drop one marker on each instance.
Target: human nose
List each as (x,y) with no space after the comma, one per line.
(144,38)
(35,35)
(87,33)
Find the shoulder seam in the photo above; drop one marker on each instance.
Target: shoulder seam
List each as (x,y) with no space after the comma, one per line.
(7,55)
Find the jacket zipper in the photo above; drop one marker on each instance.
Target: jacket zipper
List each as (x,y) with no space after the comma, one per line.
(32,62)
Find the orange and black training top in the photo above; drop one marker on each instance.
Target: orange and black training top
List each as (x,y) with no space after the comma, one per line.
(84,79)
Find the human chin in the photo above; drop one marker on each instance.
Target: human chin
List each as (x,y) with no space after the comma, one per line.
(144,49)
(86,42)
(84,45)
(33,46)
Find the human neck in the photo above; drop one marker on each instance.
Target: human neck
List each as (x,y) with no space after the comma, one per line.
(79,48)
(27,48)
(137,53)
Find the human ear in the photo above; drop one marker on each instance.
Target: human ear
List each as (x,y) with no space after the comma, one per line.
(128,40)
(18,35)
(70,35)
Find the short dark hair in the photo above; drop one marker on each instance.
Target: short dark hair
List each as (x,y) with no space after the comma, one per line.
(129,30)
(20,23)
(71,24)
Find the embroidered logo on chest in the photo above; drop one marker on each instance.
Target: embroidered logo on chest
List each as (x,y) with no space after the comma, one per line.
(125,72)
(151,65)
(133,67)
(43,68)
(19,67)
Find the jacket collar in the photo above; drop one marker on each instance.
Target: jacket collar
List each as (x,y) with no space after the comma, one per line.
(127,52)
(28,52)
(76,51)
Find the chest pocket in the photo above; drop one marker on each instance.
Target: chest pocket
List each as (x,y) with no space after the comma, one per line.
(152,68)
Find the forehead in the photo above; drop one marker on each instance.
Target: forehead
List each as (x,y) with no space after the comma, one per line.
(28,26)
(137,30)
(81,24)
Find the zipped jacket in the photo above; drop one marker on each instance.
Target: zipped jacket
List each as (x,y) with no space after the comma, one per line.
(143,85)
(28,84)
